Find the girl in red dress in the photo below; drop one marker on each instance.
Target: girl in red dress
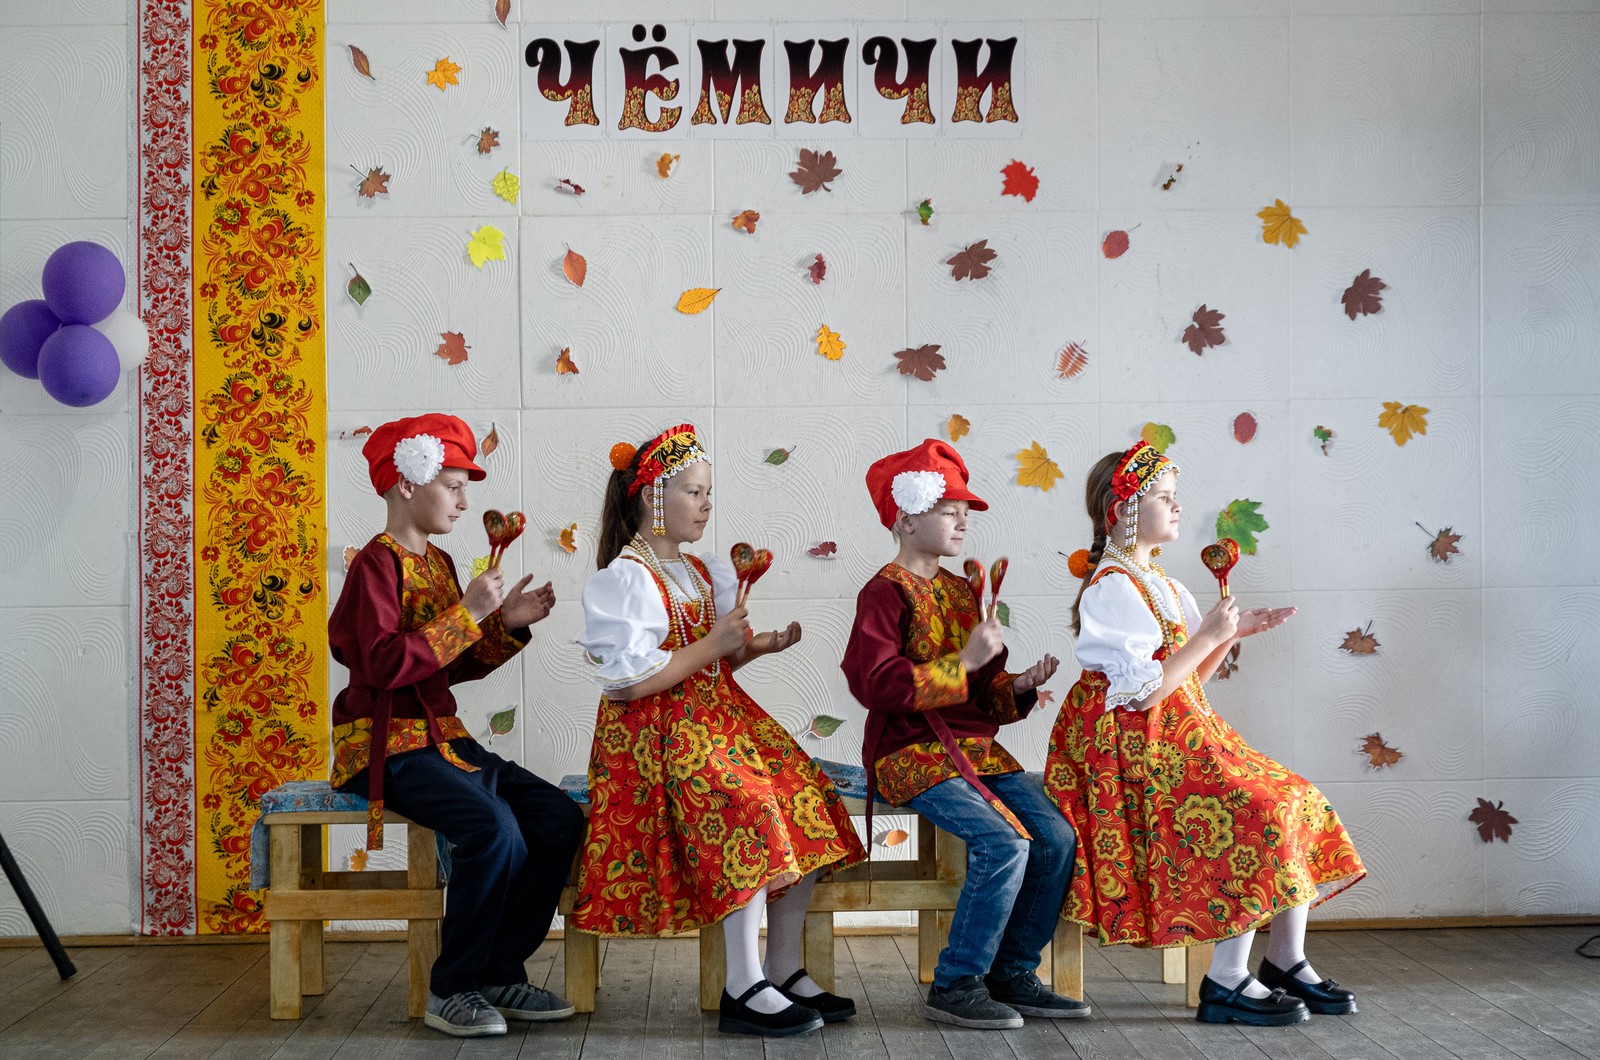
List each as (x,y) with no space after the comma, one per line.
(704,809)
(1186,834)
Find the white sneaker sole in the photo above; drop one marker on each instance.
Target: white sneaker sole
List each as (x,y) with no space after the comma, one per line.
(939,1015)
(540,1016)
(439,1023)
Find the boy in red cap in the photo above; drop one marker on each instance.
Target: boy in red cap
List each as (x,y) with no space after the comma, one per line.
(930,669)
(407,633)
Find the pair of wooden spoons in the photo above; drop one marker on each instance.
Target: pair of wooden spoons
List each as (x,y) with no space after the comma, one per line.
(975,578)
(503,529)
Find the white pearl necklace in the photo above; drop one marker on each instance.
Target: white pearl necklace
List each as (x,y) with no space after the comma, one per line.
(677,611)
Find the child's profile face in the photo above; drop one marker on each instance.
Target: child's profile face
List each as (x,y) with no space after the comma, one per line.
(939,531)
(687,503)
(435,507)
(1159,510)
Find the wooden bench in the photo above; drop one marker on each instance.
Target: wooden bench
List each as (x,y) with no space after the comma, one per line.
(302,894)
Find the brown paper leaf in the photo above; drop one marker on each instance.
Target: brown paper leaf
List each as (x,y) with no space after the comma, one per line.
(815,171)
(1360,642)
(454,347)
(1205,331)
(920,361)
(358,59)
(375,183)
(972,261)
(491,441)
(1443,545)
(488,140)
(576,266)
(1493,821)
(1379,754)
(502,8)
(1361,297)
(1072,361)
(1229,664)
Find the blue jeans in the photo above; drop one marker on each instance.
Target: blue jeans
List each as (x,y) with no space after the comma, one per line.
(1014,891)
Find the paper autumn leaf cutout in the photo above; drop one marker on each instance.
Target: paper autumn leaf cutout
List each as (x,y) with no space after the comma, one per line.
(375,183)
(1073,359)
(893,837)
(1362,297)
(1205,331)
(818,270)
(665,164)
(486,244)
(358,59)
(575,266)
(1379,754)
(1360,642)
(454,347)
(1002,613)
(1035,468)
(920,361)
(815,171)
(358,859)
(972,261)
(502,9)
(1242,521)
(1046,697)
(568,186)
(507,185)
(350,554)
(1244,428)
(824,726)
(479,565)
(1493,821)
(502,722)
(925,211)
(443,73)
(568,539)
(490,443)
(697,299)
(358,288)
(1115,244)
(777,456)
(957,427)
(1158,436)
(1278,225)
(1324,437)
(488,140)
(1402,421)
(829,344)
(824,550)
(1443,545)
(747,220)
(1166,185)
(564,362)
(1229,664)
(1019,181)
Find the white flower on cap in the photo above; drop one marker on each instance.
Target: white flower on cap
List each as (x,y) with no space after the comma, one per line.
(917,491)
(419,458)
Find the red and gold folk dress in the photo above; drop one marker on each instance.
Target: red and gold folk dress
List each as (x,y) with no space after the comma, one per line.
(1186,834)
(698,797)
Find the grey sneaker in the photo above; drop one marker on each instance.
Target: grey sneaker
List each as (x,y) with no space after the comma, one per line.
(464,1015)
(1032,998)
(966,1003)
(524,1001)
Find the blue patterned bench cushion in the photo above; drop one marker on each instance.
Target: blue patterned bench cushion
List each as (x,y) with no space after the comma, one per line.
(850,780)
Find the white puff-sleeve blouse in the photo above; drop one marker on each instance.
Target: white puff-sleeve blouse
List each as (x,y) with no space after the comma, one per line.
(1118,636)
(625,620)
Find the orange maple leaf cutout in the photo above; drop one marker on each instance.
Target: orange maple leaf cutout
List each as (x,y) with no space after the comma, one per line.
(665,163)
(454,347)
(816,170)
(957,427)
(569,539)
(443,73)
(488,140)
(1493,821)
(375,183)
(1362,297)
(575,266)
(1360,642)
(1205,331)
(1072,361)
(1443,545)
(358,859)
(921,362)
(1379,754)
(747,220)
(972,261)
(564,363)
(1019,181)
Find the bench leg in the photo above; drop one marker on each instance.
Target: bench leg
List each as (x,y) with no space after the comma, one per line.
(818,949)
(311,981)
(1066,960)
(1174,965)
(713,967)
(1198,960)
(422,936)
(581,953)
(933,931)
(284,945)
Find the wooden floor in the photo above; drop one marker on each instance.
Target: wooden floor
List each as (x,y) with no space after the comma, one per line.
(1468,994)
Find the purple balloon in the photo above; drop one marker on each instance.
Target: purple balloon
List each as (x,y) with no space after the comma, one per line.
(23,330)
(78,366)
(83,282)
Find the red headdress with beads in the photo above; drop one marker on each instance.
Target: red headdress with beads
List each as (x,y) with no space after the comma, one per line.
(1135,473)
(661,457)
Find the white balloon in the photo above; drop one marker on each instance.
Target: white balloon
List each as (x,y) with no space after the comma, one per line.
(128,336)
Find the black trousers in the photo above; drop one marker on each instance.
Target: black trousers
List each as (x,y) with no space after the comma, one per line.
(512,838)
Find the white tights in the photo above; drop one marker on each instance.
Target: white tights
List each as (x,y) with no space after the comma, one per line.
(741,938)
(1286,947)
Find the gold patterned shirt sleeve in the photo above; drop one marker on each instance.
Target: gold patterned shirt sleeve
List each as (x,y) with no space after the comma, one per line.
(451,633)
(941,682)
(497,645)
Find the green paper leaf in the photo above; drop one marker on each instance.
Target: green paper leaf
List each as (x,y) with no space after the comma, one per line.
(1158,436)
(778,456)
(1241,521)
(824,725)
(359,289)
(503,722)
(1003,613)
(925,210)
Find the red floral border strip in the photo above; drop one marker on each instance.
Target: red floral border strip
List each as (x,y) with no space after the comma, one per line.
(165,809)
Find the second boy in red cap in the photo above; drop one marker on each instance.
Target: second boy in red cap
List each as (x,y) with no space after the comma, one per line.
(931,673)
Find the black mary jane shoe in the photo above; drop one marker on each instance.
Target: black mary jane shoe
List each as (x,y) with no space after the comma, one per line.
(736,1017)
(1326,998)
(1218,1004)
(831,1007)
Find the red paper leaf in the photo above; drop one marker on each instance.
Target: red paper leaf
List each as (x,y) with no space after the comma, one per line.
(566,185)
(1205,331)
(488,140)
(375,183)
(358,59)
(920,361)
(818,269)
(454,347)
(1362,297)
(1493,821)
(815,171)
(1244,428)
(1019,181)
(1115,244)
(972,261)
(827,548)
(1072,361)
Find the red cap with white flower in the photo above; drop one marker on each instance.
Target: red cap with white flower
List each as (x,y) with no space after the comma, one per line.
(917,479)
(418,448)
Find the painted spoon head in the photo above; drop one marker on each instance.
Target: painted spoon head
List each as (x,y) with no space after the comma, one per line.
(759,566)
(975,578)
(997,574)
(495,523)
(516,522)
(743,556)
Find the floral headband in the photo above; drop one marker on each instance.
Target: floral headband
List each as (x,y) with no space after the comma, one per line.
(1136,473)
(661,457)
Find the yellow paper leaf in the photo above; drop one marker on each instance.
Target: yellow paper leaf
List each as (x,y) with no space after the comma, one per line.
(957,426)
(569,539)
(664,165)
(479,565)
(1278,225)
(487,244)
(697,299)
(1035,468)
(443,73)
(358,859)
(506,184)
(1402,421)
(828,343)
